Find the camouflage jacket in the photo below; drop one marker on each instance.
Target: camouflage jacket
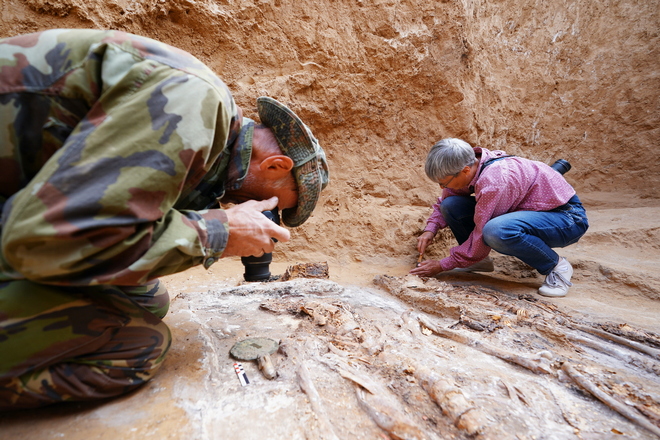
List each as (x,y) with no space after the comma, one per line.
(112,146)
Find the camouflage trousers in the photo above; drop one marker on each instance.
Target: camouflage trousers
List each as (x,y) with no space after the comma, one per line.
(78,343)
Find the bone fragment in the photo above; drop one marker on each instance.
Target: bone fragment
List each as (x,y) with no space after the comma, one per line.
(538,365)
(378,403)
(619,340)
(379,345)
(462,412)
(306,384)
(410,324)
(360,379)
(337,351)
(388,416)
(266,366)
(630,413)
(628,358)
(348,326)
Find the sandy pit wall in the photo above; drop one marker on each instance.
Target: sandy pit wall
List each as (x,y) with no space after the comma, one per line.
(380,81)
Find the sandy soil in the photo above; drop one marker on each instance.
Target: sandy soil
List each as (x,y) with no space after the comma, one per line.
(379,82)
(360,347)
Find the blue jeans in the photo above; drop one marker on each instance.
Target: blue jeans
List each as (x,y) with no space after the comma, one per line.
(526,235)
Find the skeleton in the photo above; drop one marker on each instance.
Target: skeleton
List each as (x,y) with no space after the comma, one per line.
(550,322)
(411,376)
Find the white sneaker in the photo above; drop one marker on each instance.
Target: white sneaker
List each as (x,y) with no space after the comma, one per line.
(559,280)
(485,265)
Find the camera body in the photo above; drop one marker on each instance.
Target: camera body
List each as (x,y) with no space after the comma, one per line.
(258,268)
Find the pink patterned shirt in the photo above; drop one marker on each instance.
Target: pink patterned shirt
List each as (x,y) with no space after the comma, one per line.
(507,185)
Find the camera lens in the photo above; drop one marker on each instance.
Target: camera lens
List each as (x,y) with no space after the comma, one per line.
(561,166)
(258,268)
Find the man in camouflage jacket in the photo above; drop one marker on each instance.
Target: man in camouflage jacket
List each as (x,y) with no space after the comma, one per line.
(115,151)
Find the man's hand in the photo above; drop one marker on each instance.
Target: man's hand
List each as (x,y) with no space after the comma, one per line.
(251,232)
(424,240)
(427,268)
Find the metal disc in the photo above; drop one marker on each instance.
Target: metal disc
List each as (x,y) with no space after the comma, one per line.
(251,348)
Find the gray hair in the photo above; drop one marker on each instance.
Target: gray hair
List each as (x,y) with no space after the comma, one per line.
(447,158)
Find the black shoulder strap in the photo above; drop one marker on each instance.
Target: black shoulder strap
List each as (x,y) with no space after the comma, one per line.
(489,161)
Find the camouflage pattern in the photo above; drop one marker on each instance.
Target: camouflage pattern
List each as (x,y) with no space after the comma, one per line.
(78,343)
(112,149)
(214,184)
(102,134)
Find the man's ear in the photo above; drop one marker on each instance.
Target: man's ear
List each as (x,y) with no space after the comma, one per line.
(277,165)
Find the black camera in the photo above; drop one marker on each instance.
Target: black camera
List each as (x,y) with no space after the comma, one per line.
(561,166)
(258,268)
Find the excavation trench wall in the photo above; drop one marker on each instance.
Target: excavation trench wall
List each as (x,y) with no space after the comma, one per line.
(380,81)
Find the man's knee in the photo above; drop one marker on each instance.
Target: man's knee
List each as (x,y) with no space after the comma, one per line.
(125,362)
(74,345)
(153,296)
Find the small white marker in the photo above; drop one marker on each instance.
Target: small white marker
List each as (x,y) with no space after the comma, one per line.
(240,372)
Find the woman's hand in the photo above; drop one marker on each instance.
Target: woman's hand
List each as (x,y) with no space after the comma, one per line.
(424,240)
(427,268)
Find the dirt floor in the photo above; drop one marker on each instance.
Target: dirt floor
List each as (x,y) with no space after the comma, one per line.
(370,353)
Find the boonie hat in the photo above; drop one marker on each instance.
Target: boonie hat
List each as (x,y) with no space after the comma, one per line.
(296,141)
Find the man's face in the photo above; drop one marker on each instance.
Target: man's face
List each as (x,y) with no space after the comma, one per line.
(257,187)
(269,174)
(288,197)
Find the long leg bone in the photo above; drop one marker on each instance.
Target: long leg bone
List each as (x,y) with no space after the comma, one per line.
(608,400)
(538,365)
(315,401)
(614,352)
(388,416)
(463,413)
(379,403)
(618,339)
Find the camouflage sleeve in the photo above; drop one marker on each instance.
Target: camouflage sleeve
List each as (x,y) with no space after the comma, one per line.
(101,209)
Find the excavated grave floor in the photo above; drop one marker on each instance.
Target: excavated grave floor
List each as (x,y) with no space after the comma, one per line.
(372,353)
